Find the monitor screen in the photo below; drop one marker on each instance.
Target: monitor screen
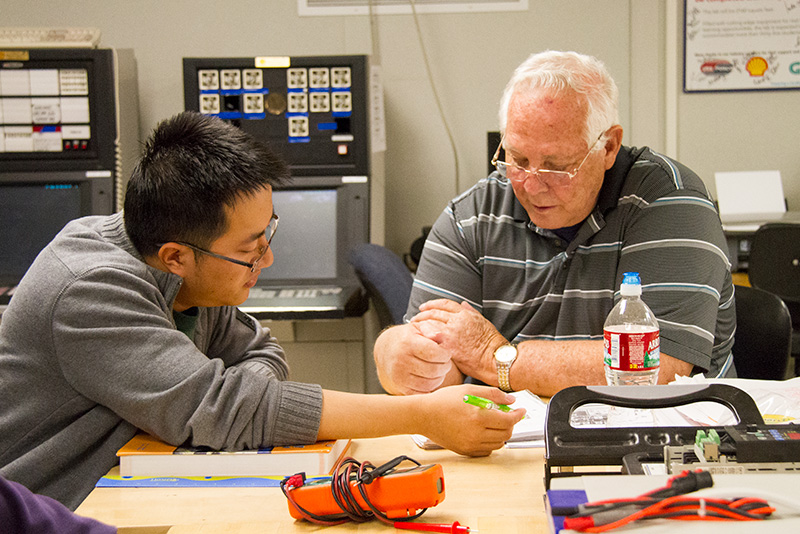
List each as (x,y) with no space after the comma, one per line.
(305,244)
(30,216)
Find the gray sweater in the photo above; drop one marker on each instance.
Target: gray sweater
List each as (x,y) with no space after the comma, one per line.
(89,352)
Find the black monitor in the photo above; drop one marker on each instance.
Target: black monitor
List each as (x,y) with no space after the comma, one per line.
(34,209)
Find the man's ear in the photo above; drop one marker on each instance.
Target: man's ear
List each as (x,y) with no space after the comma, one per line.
(176,258)
(613,144)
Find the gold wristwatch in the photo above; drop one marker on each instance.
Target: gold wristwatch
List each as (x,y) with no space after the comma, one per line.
(503,359)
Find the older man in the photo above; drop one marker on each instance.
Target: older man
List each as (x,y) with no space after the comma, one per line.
(520,272)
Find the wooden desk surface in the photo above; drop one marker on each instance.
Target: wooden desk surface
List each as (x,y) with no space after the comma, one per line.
(501,493)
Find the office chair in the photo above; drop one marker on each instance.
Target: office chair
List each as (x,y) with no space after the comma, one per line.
(386,278)
(762,342)
(775,267)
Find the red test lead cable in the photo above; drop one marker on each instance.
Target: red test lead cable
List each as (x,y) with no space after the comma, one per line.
(455,528)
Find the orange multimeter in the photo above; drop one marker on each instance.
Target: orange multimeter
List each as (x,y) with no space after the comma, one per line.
(399,493)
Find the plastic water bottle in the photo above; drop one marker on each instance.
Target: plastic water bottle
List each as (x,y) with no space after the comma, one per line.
(630,338)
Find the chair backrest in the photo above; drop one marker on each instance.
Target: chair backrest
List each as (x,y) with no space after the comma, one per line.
(774,263)
(386,278)
(763,334)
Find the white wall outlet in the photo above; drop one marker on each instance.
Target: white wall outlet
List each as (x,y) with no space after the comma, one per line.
(319,77)
(209,104)
(253,103)
(340,77)
(296,78)
(297,102)
(320,102)
(208,80)
(252,79)
(342,101)
(298,126)
(231,79)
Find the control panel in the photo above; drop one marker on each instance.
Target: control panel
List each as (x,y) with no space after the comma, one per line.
(312,110)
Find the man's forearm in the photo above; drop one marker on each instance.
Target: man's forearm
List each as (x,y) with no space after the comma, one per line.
(546,367)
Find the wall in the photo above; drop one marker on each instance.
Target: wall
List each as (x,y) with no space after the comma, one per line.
(472,56)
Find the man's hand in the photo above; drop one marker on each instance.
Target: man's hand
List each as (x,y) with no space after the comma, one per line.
(464,428)
(463,334)
(409,362)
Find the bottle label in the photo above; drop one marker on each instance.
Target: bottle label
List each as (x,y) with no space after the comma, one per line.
(637,351)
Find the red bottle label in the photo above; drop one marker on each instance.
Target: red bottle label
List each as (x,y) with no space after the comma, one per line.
(636,351)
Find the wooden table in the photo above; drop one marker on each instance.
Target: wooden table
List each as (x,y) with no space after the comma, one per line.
(501,493)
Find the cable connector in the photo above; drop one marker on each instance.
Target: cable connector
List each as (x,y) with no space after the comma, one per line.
(295,481)
(689,481)
(367,477)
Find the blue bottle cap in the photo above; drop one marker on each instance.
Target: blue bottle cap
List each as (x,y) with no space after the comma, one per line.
(631,278)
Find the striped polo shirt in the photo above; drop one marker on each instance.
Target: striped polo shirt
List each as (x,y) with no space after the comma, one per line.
(653,216)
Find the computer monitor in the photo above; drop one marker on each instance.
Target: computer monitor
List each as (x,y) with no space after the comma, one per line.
(34,209)
(314,238)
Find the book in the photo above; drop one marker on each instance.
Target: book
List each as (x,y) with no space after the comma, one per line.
(529,432)
(147,456)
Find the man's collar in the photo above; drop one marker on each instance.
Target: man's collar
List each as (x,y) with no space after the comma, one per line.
(614,180)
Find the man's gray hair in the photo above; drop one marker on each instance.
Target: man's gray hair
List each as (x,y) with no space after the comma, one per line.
(568,73)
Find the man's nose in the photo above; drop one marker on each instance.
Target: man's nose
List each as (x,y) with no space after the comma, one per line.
(534,185)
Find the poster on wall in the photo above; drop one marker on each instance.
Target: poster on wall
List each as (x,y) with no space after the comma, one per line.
(741,45)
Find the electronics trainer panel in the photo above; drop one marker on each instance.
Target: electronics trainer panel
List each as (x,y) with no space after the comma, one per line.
(312,110)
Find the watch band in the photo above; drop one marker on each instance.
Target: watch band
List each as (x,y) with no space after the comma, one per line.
(502,376)
(504,358)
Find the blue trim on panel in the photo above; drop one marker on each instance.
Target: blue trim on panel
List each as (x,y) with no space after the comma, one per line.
(339,114)
(327,126)
(254,116)
(230,115)
(299,139)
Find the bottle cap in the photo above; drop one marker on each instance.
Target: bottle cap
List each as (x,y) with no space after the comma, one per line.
(631,284)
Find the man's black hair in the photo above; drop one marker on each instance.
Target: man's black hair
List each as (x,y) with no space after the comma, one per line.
(191,168)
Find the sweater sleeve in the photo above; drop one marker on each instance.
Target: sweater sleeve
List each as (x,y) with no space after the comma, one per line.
(115,341)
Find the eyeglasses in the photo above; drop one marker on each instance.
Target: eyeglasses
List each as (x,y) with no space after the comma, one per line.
(269,232)
(517,173)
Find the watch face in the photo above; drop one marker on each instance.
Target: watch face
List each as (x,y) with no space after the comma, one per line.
(505,354)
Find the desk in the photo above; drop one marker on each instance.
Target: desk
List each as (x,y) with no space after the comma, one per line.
(501,493)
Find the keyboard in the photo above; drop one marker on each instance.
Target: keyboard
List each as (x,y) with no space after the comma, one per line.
(49,37)
(304,302)
(293,293)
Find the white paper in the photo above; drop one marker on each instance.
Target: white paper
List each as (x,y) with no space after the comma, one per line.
(750,195)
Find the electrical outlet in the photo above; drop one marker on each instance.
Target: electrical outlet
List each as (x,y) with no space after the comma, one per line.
(319,77)
(320,102)
(253,103)
(342,101)
(298,103)
(209,104)
(296,78)
(208,80)
(340,77)
(231,79)
(298,126)
(252,79)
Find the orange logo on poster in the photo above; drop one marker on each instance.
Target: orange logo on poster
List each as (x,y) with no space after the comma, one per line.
(756,66)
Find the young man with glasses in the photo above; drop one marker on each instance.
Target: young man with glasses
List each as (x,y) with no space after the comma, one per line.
(129,322)
(519,273)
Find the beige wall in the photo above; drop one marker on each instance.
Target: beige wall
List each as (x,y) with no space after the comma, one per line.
(471,55)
